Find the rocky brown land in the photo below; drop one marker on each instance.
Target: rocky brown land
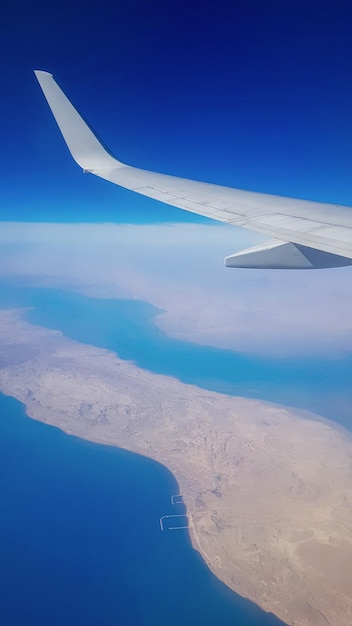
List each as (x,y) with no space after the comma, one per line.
(268,490)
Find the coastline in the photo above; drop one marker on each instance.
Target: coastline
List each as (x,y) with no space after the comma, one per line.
(248,470)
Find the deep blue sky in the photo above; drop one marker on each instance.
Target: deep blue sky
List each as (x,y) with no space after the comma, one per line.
(249,94)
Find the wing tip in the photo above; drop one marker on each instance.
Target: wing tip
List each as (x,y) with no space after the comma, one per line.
(85,147)
(40,73)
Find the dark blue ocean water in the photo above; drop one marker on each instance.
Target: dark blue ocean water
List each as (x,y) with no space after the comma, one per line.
(80,542)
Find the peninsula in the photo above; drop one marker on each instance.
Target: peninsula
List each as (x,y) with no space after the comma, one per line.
(268,490)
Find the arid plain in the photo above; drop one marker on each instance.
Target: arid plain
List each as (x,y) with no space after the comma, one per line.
(268,490)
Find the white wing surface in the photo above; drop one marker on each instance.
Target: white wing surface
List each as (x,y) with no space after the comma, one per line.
(307,234)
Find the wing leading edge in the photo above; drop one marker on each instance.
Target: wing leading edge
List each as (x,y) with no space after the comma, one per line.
(308,235)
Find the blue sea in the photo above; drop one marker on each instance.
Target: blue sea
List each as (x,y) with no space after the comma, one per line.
(80,541)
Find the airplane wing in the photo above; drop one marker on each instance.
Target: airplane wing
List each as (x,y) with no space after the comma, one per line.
(307,235)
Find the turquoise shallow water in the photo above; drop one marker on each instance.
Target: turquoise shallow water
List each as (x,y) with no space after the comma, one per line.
(127,327)
(80,540)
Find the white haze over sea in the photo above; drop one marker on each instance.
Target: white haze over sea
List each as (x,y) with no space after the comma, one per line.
(179,268)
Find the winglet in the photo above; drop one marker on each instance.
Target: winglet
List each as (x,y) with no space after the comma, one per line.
(81,141)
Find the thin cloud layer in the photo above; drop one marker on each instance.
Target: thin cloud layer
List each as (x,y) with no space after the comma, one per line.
(179,268)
